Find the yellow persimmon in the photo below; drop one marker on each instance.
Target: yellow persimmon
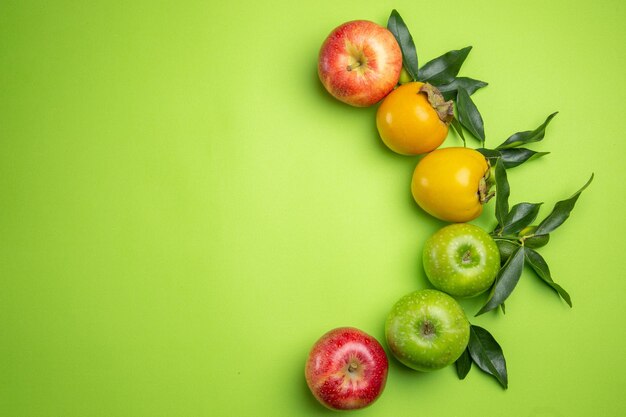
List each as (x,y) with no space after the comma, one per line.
(452,184)
(413,119)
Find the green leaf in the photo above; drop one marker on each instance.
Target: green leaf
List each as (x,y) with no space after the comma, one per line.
(456,126)
(468,84)
(487,354)
(502,193)
(396,25)
(521,138)
(469,116)
(560,212)
(513,157)
(540,266)
(442,70)
(491,154)
(506,280)
(520,216)
(463,364)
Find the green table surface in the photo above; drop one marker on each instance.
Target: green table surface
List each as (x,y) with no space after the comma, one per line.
(184,210)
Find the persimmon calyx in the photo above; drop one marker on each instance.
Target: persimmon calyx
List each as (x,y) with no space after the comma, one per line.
(484,187)
(444,109)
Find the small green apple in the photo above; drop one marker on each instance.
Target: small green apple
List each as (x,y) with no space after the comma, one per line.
(427,330)
(532,241)
(461,259)
(405,77)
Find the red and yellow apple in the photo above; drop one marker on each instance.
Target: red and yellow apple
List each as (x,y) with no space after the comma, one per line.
(360,63)
(346,369)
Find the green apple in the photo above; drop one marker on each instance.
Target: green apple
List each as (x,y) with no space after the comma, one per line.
(461,259)
(405,77)
(427,330)
(532,241)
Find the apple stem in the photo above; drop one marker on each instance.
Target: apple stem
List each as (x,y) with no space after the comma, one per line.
(353,66)
(428,329)
(352,367)
(467,257)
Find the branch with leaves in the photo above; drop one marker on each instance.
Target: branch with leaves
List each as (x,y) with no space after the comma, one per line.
(517,240)
(511,152)
(442,72)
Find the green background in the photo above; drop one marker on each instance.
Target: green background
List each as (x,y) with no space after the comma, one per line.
(184,210)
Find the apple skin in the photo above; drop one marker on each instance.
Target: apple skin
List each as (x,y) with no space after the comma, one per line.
(427,330)
(461,259)
(346,369)
(360,63)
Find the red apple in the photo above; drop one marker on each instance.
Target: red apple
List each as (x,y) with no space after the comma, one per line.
(360,63)
(346,369)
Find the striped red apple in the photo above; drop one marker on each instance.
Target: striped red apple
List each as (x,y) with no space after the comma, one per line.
(360,63)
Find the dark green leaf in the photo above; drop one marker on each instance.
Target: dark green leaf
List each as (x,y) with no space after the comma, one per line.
(506,280)
(520,216)
(469,116)
(560,212)
(490,154)
(506,248)
(502,193)
(463,364)
(540,266)
(516,156)
(443,70)
(468,84)
(487,354)
(521,138)
(456,126)
(400,31)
